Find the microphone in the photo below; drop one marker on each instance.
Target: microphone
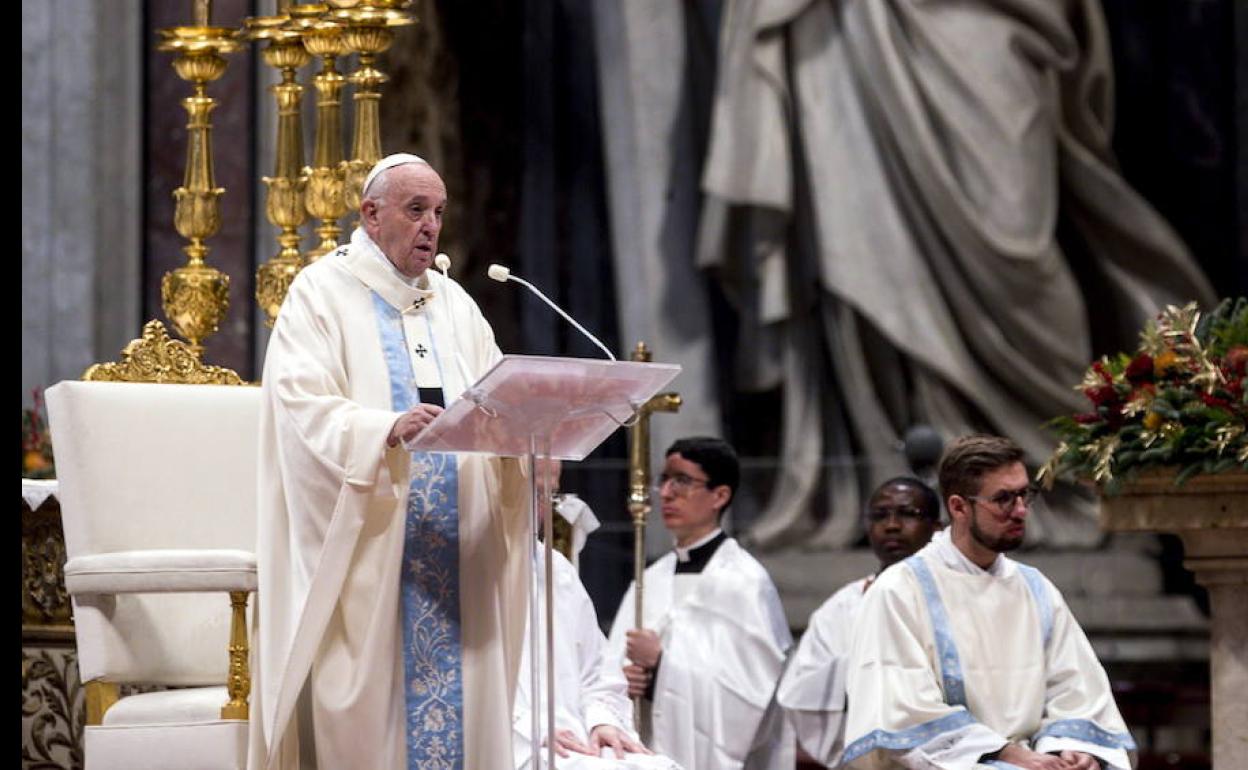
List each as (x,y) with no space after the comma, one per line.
(503,275)
(443,263)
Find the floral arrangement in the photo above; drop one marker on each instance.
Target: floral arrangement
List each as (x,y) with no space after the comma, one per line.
(1179,401)
(36,443)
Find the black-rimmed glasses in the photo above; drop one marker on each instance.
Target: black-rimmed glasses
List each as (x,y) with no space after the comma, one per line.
(681,483)
(1004,500)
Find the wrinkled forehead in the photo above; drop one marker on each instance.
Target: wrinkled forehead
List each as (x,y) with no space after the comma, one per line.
(418,177)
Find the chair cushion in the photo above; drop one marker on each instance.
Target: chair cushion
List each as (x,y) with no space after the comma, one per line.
(161,571)
(161,730)
(219,745)
(191,704)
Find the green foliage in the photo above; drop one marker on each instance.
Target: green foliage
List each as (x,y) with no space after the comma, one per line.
(1179,401)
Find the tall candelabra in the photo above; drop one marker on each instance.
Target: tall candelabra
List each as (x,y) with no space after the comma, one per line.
(196,296)
(285,206)
(367,32)
(323,37)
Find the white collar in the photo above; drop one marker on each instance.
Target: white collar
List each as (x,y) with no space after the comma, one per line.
(953,558)
(371,266)
(682,553)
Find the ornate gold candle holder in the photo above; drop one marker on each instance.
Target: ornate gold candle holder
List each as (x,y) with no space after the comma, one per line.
(284,206)
(367,31)
(196,296)
(323,37)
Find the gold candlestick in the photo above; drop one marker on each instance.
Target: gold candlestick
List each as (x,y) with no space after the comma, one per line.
(639,495)
(367,32)
(196,296)
(322,37)
(284,206)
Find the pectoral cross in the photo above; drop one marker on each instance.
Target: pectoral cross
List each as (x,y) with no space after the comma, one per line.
(420,350)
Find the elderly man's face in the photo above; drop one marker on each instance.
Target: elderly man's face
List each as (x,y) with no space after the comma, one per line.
(406,222)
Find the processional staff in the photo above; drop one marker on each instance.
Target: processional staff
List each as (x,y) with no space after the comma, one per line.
(639,491)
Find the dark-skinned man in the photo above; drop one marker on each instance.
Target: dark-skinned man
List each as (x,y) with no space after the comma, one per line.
(714,636)
(900,517)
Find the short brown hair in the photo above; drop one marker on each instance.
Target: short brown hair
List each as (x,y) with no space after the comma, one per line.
(969,458)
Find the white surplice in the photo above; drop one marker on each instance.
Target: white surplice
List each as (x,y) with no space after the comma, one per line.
(577,513)
(724,639)
(590,689)
(950,662)
(332,503)
(812,690)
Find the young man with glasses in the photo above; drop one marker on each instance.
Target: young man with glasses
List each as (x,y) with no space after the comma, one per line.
(714,635)
(900,517)
(965,658)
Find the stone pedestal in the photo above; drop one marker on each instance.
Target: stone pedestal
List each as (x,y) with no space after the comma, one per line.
(1210,514)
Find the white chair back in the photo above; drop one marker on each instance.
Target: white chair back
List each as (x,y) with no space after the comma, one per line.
(154,466)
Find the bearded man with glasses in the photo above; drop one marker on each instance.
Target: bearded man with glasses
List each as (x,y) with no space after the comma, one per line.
(966,658)
(901,515)
(714,635)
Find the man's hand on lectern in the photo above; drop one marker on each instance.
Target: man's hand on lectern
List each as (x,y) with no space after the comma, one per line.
(412,422)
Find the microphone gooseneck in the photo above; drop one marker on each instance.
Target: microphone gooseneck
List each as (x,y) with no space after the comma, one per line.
(503,275)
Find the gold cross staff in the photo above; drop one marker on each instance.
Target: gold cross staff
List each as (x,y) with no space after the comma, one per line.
(639,492)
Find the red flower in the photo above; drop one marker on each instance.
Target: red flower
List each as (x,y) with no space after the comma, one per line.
(1105,395)
(1087,418)
(1214,401)
(1140,370)
(1099,368)
(1236,359)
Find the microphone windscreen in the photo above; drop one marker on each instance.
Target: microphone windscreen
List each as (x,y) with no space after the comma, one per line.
(442,262)
(498,273)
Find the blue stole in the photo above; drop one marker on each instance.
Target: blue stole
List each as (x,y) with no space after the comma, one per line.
(429,589)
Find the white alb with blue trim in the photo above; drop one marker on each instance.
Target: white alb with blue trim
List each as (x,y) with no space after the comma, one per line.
(950,661)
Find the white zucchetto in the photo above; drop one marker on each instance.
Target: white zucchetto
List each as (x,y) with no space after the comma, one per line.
(390,161)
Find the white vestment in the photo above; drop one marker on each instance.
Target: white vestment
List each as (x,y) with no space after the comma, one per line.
(949,662)
(577,513)
(724,639)
(590,688)
(333,506)
(812,690)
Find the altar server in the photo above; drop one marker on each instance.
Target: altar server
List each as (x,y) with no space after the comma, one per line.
(965,658)
(714,636)
(900,517)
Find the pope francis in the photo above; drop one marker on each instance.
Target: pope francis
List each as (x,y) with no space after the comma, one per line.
(391,603)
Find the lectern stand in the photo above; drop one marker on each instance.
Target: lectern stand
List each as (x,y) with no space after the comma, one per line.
(544,407)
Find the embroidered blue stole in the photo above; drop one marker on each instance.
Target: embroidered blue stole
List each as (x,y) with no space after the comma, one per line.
(429,589)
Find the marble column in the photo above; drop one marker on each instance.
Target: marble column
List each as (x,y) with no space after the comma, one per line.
(81,180)
(1210,513)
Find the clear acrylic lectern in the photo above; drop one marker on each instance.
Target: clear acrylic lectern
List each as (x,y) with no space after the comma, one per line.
(543,407)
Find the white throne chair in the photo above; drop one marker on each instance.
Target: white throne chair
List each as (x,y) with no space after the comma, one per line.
(157,484)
